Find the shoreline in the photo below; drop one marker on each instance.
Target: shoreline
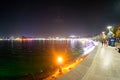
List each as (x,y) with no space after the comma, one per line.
(68,66)
(50,73)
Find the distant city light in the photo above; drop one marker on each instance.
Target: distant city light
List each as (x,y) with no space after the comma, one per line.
(1,39)
(72,36)
(103,32)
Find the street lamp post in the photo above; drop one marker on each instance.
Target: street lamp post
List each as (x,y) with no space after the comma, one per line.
(110,32)
(60,61)
(109,35)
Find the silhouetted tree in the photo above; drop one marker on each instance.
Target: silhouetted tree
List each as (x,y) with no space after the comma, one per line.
(117,31)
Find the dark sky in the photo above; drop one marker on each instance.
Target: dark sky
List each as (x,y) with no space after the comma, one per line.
(58,17)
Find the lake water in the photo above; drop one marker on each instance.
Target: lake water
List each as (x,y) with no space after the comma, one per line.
(19,58)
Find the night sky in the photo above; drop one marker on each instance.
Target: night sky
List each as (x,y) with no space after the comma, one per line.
(58,17)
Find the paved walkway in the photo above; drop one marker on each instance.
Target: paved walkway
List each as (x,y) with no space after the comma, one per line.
(102,64)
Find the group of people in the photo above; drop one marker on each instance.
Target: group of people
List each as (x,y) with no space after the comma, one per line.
(105,42)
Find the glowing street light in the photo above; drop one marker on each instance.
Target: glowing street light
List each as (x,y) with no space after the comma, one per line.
(109,27)
(60,60)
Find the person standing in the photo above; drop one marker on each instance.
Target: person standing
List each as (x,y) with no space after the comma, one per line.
(102,42)
(106,43)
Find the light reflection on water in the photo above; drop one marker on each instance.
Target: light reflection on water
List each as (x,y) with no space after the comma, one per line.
(23,57)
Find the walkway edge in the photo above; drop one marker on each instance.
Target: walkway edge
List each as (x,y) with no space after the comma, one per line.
(81,69)
(91,67)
